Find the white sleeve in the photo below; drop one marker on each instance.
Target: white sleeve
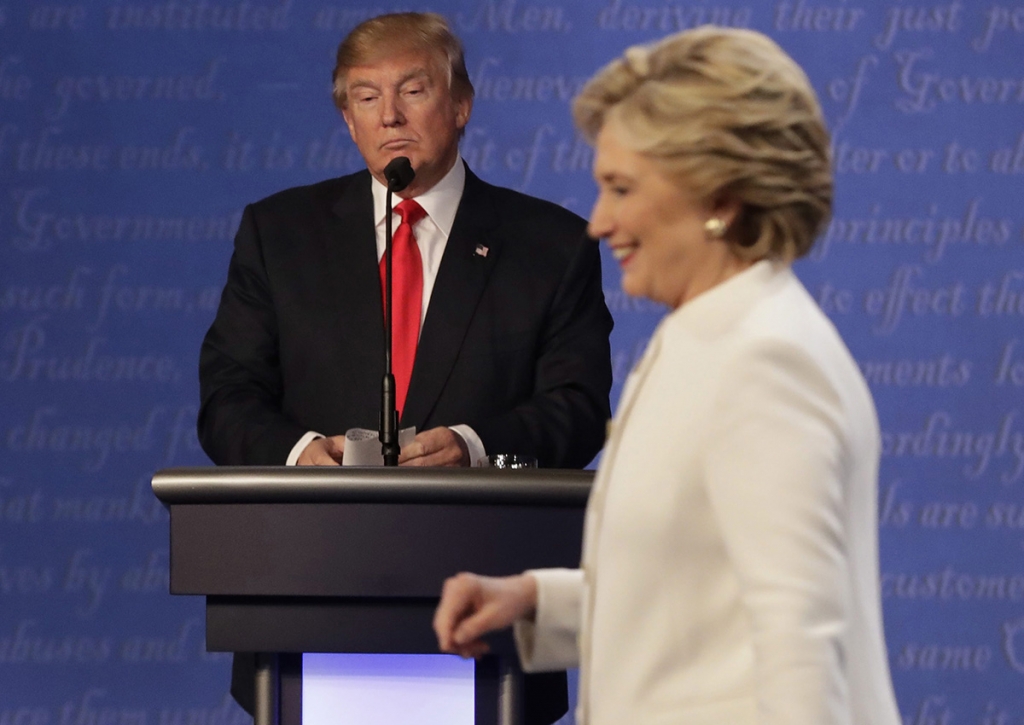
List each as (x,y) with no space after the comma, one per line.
(299,447)
(474,445)
(775,464)
(550,642)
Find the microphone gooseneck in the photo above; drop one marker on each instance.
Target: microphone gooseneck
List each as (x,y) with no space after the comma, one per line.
(399,175)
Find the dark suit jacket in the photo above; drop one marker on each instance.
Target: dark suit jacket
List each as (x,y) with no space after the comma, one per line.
(514,344)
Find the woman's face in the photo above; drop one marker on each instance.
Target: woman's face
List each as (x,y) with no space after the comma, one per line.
(654,227)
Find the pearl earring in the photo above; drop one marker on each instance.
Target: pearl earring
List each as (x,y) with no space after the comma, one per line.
(715,228)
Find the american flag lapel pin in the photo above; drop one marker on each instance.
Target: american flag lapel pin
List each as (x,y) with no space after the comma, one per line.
(480,251)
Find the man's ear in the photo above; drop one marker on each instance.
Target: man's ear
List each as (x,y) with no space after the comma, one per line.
(463,110)
(348,122)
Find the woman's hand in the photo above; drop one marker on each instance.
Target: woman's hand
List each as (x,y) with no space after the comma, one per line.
(473,605)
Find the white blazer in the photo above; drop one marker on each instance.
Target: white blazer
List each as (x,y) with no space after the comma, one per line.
(730,555)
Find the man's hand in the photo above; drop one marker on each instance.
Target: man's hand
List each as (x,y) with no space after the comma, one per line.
(435,447)
(323,452)
(472,605)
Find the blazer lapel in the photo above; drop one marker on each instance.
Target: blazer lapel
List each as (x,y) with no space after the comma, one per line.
(635,381)
(351,254)
(461,279)
(596,504)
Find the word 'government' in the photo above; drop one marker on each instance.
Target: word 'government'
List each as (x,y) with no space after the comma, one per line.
(925,89)
(39,229)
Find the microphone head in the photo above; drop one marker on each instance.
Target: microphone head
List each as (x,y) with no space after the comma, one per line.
(399,173)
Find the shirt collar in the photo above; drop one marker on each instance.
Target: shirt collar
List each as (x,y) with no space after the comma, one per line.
(714,311)
(440,202)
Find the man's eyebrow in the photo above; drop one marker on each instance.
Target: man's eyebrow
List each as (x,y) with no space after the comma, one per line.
(412,74)
(363,83)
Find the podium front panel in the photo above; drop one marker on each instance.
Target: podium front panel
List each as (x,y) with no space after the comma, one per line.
(360,549)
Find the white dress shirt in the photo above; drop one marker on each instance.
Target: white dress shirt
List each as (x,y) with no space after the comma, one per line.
(440,202)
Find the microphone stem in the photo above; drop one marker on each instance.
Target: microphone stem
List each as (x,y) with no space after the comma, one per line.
(388,433)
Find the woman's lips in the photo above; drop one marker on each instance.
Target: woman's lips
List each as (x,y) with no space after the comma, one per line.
(624,252)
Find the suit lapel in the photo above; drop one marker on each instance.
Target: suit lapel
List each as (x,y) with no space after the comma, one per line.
(461,279)
(635,381)
(351,256)
(596,505)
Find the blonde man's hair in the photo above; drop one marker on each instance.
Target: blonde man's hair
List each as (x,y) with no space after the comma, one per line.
(397,32)
(727,113)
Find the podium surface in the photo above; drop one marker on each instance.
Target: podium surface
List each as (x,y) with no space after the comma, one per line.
(344,559)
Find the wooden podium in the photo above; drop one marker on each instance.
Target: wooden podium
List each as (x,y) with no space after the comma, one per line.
(295,560)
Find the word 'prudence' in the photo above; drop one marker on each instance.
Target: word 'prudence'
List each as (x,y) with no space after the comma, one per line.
(30,360)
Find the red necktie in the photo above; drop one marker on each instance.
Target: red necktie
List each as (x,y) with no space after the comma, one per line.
(407,288)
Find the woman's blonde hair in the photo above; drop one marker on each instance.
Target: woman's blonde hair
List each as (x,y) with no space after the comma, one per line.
(728,114)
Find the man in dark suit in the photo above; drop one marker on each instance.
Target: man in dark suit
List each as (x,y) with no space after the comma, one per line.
(508,345)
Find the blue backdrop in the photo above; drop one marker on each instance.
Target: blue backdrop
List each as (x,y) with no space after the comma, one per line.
(132,132)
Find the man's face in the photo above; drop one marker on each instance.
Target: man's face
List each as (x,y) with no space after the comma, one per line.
(402,106)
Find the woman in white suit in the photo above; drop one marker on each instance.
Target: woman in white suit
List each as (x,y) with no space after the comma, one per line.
(729,569)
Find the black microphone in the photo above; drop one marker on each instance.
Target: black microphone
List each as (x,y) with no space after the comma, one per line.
(399,175)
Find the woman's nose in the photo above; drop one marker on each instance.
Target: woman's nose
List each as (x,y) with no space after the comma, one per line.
(600,224)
